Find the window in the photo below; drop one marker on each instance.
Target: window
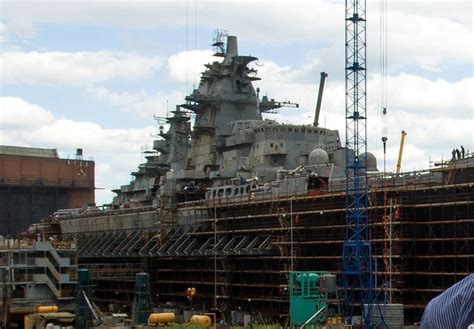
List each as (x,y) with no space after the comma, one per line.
(220,192)
(228,191)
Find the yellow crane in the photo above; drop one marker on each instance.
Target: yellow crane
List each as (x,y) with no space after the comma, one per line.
(400,152)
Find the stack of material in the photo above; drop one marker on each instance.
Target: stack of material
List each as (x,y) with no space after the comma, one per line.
(389,314)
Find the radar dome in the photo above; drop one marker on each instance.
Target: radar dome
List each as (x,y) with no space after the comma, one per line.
(371,161)
(317,157)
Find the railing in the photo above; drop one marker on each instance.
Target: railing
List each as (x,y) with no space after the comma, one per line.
(45,262)
(30,244)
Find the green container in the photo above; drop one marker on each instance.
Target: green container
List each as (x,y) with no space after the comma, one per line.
(306,298)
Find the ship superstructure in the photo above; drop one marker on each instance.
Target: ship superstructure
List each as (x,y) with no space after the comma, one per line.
(229,140)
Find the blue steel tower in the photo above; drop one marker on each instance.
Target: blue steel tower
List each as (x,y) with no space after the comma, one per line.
(357,254)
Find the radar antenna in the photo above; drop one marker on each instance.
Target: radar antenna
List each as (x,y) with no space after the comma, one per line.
(219,39)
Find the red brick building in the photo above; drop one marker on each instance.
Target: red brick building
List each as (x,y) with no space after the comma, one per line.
(35,182)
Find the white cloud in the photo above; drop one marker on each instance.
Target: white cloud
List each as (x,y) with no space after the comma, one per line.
(3,33)
(187,66)
(116,151)
(426,97)
(140,102)
(42,127)
(420,32)
(427,41)
(74,68)
(16,113)
(118,99)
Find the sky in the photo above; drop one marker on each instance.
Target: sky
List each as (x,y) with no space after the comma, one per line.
(93,74)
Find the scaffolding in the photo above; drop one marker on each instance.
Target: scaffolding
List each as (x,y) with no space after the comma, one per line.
(238,255)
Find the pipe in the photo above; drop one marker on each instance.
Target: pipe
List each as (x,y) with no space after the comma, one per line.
(89,304)
(320,97)
(400,153)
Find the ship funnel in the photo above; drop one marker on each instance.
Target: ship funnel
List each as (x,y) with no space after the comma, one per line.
(232,49)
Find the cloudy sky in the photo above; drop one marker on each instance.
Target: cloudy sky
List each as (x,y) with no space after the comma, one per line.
(92,74)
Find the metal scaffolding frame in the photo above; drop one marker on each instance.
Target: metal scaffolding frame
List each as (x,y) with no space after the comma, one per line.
(431,246)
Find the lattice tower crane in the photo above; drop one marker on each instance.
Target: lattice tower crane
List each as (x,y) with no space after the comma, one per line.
(357,253)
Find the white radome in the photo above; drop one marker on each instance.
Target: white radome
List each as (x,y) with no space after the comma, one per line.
(318,157)
(371,161)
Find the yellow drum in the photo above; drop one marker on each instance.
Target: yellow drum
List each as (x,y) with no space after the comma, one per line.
(47,309)
(159,318)
(201,320)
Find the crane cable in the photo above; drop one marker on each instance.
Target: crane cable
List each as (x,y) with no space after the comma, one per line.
(194,73)
(383,62)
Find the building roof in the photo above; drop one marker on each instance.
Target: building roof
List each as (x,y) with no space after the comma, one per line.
(29,151)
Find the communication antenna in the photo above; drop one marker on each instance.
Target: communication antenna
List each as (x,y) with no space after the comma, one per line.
(219,42)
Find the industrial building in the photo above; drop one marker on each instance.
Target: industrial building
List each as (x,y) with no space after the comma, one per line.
(35,182)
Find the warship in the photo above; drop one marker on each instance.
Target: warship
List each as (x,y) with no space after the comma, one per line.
(230,204)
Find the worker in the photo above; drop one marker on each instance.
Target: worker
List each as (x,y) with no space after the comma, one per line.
(463,152)
(458,154)
(453,309)
(454,154)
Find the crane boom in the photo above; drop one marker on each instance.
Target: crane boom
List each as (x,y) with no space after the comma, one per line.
(400,152)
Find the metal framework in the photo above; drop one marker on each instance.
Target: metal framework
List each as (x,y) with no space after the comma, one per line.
(357,253)
(432,246)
